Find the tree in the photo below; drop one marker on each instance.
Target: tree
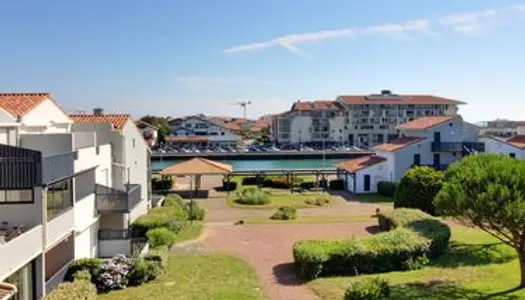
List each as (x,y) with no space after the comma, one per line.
(417,189)
(161,123)
(488,191)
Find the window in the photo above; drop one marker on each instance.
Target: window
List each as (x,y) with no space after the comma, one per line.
(59,198)
(512,155)
(133,143)
(222,133)
(16,196)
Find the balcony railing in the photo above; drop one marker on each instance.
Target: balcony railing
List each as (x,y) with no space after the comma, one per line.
(114,234)
(110,200)
(57,167)
(19,168)
(458,147)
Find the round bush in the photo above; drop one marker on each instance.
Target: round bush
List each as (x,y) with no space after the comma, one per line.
(79,289)
(143,271)
(285,213)
(321,200)
(159,237)
(418,188)
(82,275)
(92,265)
(368,289)
(252,196)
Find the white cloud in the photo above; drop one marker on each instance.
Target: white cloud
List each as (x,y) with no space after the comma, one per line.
(199,82)
(469,23)
(472,22)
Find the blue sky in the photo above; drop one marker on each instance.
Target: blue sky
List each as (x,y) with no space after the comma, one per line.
(182,57)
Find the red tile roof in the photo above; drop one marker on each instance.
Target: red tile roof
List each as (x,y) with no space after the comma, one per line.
(19,104)
(405,99)
(312,105)
(360,163)
(425,123)
(117,120)
(170,139)
(517,141)
(399,143)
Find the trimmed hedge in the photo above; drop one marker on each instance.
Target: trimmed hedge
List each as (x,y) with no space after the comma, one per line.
(308,185)
(159,237)
(418,188)
(337,184)
(92,265)
(252,180)
(77,290)
(386,188)
(414,237)
(171,217)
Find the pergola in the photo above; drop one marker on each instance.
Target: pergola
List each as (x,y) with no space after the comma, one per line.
(196,168)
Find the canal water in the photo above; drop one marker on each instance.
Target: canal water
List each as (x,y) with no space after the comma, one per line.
(299,163)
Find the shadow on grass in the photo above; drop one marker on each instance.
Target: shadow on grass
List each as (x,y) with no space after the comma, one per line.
(460,255)
(285,274)
(440,290)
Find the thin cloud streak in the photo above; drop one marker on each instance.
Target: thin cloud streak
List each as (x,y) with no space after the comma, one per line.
(469,23)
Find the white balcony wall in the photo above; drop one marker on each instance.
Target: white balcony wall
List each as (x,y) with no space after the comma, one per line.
(104,174)
(60,227)
(84,139)
(139,210)
(86,242)
(87,158)
(20,251)
(48,144)
(113,247)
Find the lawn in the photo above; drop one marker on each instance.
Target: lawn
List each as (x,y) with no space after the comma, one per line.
(190,231)
(310,220)
(477,267)
(375,198)
(197,277)
(291,200)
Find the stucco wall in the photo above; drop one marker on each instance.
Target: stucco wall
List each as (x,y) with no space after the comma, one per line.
(110,248)
(46,117)
(499,147)
(300,129)
(48,144)
(136,157)
(378,172)
(5,117)
(86,242)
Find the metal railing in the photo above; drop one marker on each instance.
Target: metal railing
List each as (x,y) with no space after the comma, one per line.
(114,234)
(457,146)
(19,168)
(57,167)
(110,200)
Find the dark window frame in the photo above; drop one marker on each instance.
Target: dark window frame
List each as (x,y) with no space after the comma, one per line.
(32,201)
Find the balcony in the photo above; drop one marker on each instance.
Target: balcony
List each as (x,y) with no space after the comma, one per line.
(19,168)
(114,234)
(458,147)
(19,248)
(60,226)
(58,167)
(114,201)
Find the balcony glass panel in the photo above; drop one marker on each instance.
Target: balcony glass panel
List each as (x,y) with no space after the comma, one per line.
(59,198)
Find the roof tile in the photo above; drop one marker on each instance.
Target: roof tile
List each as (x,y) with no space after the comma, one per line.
(19,104)
(405,99)
(399,143)
(360,163)
(117,120)
(425,123)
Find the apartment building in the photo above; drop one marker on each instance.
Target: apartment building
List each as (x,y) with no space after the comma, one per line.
(513,146)
(502,128)
(125,193)
(201,131)
(52,206)
(362,121)
(431,141)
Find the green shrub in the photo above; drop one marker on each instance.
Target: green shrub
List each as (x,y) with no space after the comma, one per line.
(386,188)
(368,289)
(285,213)
(228,186)
(308,185)
(159,237)
(159,256)
(173,200)
(92,265)
(168,216)
(252,196)
(418,188)
(82,275)
(280,182)
(143,271)
(194,211)
(415,236)
(77,290)
(162,183)
(337,184)
(321,200)
(253,180)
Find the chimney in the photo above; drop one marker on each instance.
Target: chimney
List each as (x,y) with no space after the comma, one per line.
(98,111)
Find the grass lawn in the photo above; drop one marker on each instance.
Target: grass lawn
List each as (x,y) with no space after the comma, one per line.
(375,198)
(311,220)
(197,277)
(189,232)
(477,267)
(292,200)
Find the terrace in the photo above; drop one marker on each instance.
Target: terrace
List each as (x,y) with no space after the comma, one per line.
(113,201)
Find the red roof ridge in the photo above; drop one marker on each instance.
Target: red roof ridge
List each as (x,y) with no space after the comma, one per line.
(116,120)
(19,104)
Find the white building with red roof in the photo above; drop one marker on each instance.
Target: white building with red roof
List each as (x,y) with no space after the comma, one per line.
(358,120)
(433,141)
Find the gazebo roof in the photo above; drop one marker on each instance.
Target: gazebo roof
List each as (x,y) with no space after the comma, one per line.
(197,166)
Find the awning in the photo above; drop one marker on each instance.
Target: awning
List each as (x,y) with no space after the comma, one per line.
(197,166)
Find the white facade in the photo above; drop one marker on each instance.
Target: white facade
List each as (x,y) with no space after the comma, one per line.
(498,146)
(47,117)
(200,127)
(365,181)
